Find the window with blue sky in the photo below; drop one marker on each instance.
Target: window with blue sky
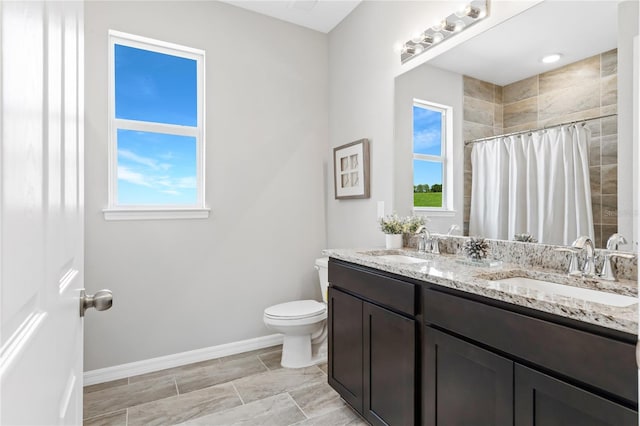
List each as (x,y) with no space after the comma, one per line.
(156,124)
(428,156)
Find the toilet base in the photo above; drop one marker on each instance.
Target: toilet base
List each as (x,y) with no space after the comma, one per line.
(298,352)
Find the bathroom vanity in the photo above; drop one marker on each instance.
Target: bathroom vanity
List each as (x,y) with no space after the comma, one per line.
(436,342)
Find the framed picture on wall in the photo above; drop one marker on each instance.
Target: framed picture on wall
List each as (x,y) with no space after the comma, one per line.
(351,170)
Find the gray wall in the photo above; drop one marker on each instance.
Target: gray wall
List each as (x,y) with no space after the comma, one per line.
(362,68)
(187,284)
(430,84)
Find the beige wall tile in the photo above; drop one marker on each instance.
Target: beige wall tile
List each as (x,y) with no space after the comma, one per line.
(475,131)
(596,180)
(498,113)
(610,209)
(478,111)
(570,100)
(609,150)
(594,152)
(567,118)
(576,74)
(520,90)
(610,179)
(467,157)
(518,113)
(598,236)
(609,90)
(467,184)
(596,208)
(609,109)
(609,126)
(467,213)
(609,63)
(478,89)
(522,127)
(498,94)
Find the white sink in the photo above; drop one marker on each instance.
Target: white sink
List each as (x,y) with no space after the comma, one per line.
(398,258)
(586,294)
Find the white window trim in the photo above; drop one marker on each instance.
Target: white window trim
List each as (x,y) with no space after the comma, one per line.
(144,212)
(447,170)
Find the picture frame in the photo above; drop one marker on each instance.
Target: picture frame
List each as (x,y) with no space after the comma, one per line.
(351,170)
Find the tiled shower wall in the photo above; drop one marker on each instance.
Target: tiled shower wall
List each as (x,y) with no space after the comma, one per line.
(583,89)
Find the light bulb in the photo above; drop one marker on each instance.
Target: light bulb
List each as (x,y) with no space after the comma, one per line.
(438,26)
(417,37)
(437,37)
(458,25)
(462,11)
(398,47)
(418,49)
(549,59)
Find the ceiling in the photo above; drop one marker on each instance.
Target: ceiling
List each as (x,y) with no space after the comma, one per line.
(512,50)
(319,15)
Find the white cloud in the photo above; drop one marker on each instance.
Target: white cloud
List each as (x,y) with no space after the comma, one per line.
(130,176)
(425,139)
(145,161)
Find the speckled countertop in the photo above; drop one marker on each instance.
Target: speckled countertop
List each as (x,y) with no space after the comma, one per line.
(452,271)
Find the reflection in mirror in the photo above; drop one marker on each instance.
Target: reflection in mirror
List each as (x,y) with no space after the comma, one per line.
(546,145)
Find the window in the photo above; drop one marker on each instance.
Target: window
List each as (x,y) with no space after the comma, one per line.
(431,174)
(156,140)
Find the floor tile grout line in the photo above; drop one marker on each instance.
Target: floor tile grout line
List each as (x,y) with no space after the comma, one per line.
(301,410)
(102,414)
(237,392)
(175,382)
(262,362)
(126,418)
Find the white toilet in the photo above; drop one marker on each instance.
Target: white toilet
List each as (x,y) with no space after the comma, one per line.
(304,325)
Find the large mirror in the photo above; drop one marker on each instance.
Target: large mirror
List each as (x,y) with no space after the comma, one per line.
(496,137)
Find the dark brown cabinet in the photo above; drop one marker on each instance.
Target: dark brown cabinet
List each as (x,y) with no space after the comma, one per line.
(451,358)
(345,347)
(389,367)
(465,385)
(372,359)
(541,400)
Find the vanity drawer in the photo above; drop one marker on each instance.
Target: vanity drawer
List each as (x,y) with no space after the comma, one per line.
(395,294)
(593,360)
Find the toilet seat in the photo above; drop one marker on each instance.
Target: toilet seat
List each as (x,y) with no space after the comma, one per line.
(299,309)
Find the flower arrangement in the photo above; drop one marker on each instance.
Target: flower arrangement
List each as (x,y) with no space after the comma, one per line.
(393,224)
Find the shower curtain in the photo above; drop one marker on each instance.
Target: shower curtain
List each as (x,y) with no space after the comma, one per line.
(536,183)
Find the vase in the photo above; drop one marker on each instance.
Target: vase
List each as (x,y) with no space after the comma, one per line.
(393,241)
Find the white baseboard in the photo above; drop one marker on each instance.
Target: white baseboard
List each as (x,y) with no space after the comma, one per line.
(175,360)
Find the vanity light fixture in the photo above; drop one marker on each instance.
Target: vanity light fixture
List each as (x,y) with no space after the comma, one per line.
(549,59)
(462,18)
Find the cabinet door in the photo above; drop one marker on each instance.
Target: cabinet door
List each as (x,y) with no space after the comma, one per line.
(465,385)
(345,346)
(389,367)
(542,400)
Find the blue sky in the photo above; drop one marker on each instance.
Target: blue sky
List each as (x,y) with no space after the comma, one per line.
(155,168)
(427,137)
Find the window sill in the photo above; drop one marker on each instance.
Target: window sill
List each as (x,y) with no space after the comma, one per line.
(434,213)
(155,214)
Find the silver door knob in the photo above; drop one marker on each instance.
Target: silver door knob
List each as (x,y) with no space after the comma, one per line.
(101,301)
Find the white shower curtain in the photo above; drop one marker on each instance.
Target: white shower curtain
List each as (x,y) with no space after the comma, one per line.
(536,183)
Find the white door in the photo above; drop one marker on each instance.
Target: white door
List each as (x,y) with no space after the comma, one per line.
(41,212)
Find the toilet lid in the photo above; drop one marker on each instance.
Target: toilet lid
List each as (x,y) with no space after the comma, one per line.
(297,309)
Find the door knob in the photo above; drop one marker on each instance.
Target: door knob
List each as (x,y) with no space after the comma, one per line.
(101,301)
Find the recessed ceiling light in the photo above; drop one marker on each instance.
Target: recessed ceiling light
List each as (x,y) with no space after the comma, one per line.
(549,59)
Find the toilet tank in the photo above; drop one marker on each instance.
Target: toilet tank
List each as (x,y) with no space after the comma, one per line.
(322,266)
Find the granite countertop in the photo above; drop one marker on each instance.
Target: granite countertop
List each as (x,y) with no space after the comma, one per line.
(452,271)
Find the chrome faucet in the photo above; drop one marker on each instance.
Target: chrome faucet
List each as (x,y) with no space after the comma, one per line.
(589,268)
(452,229)
(424,245)
(614,241)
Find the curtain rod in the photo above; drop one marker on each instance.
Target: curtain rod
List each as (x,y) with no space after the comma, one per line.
(536,130)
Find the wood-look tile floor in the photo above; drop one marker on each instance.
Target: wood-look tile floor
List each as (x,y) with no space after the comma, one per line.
(245,389)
